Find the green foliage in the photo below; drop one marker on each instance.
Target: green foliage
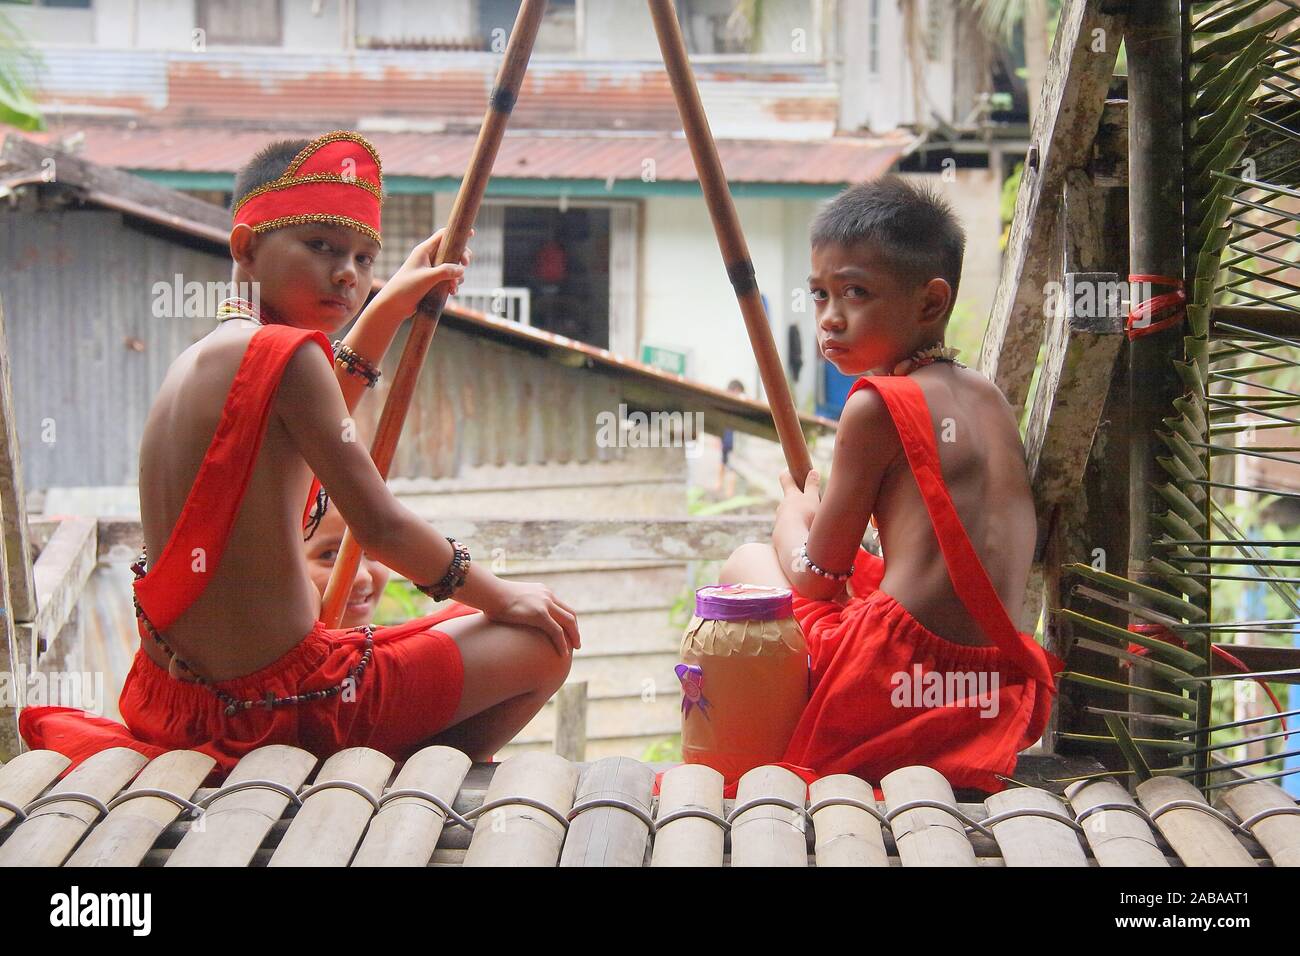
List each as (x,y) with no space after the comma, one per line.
(668,750)
(401,602)
(16,106)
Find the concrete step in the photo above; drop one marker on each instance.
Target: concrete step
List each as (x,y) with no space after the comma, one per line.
(635,747)
(625,674)
(622,716)
(647,588)
(622,632)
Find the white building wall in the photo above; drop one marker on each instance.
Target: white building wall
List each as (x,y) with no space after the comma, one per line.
(618,30)
(687,303)
(304,29)
(392,19)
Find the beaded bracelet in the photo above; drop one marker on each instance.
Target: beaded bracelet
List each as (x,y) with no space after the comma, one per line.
(455,576)
(355,364)
(821,572)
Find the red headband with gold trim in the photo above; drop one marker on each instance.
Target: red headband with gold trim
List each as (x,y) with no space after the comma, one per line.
(334,178)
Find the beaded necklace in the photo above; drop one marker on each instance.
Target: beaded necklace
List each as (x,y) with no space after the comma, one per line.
(928,356)
(237,307)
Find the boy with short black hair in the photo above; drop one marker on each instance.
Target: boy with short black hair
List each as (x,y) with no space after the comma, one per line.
(915,659)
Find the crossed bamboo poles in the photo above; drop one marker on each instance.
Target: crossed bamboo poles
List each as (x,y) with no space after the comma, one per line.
(726,224)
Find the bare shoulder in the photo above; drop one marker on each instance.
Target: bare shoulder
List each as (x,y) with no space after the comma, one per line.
(308,374)
(975,390)
(865,416)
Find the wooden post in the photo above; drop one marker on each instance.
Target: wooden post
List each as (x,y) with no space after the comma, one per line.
(1155,58)
(1086,521)
(571,721)
(17,587)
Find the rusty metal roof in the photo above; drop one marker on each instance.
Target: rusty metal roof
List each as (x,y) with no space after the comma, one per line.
(207,149)
(449,90)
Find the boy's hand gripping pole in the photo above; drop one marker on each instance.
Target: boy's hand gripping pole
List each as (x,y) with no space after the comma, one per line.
(735,253)
(425,322)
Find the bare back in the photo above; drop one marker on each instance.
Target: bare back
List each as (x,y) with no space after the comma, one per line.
(260,602)
(983,463)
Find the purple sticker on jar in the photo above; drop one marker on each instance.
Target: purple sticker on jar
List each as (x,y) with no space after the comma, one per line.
(692,678)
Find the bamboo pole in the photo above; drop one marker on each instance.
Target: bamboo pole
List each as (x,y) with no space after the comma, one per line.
(1198,838)
(1034,840)
(130,829)
(329,825)
(609,835)
(518,834)
(1117,837)
(405,831)
(846,835)
(689,841)
(731,241)
(425,323)
(925,836)
(1155,56)
(232,828)
(769,835)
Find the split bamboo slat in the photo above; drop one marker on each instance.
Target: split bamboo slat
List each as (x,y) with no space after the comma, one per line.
(233,826)
(770,834)
(26,777)
(329,825)
(517,834)
(405,831)
(1279,833)
(689,840)
(51,832)
(926,836)
(1034,840)
(1198,838)
(610,835)
(130,829)
(1116,837)
(846,835)
(540,809)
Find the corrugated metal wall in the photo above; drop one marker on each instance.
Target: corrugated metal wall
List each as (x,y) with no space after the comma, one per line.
(88,356)
(87,352)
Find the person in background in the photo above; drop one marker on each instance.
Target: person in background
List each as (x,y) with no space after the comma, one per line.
(726,474)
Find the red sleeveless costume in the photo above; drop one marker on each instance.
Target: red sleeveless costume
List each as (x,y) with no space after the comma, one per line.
(407,693)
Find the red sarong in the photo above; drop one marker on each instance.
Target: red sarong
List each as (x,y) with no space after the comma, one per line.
(408,692)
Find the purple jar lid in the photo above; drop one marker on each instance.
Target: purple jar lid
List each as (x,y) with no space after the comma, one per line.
(743,602)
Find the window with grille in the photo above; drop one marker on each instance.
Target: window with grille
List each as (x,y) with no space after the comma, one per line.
(407,220)
(240,22)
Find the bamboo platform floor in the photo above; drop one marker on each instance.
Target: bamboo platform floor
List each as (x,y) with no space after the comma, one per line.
(537,809)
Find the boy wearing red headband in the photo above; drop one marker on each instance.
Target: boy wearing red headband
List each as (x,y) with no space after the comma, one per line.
(249,423)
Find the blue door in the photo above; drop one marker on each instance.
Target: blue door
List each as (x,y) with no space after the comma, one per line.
(834,389)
